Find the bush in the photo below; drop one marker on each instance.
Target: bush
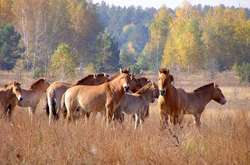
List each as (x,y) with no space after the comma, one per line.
(243,71)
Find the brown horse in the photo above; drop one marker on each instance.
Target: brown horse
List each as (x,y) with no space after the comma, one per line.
(32,95)
(106,96)
(176,102)
(56,90)
(134,86)
(10,94)
(138,83)
(137,104)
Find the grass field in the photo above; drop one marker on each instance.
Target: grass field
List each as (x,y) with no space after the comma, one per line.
(224,137)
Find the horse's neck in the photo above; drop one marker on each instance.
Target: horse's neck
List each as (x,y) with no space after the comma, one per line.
(170,92)
(204,96)
(147,95)
(115,86)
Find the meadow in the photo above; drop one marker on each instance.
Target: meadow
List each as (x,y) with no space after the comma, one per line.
(224,137)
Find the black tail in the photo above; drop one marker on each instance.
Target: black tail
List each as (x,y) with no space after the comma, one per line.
(46,106)
(53,106)
(63,108)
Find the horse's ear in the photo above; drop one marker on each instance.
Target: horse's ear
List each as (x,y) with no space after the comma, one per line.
(120,70)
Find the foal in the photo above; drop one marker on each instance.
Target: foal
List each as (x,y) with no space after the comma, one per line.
(137,104)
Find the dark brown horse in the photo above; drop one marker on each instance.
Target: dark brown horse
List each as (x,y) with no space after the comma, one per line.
(174,103)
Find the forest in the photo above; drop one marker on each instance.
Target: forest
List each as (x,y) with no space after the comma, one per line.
(61,37)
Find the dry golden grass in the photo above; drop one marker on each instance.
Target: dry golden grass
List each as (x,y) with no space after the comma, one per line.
(224,138)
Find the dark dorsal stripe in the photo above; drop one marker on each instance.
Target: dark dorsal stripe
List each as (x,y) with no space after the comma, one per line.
(36,83)
(204,87)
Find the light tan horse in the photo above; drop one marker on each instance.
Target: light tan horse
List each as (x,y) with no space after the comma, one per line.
(56,90)
(174,103)
(99,98)
(10,94)
(137,104)
(31,96)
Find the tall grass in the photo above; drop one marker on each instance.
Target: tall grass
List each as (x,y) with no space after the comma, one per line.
(224,138)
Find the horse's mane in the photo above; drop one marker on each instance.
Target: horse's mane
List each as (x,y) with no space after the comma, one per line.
(91,76)
(202,88)
(145,88)
(84,79)
(36,83)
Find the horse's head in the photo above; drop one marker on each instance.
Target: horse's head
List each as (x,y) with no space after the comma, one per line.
(15,87)
(218,96)
(154,90)
(137,83)
(165,80)
(125,79)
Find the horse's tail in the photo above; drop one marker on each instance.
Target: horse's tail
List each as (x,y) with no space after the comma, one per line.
(63,107)
(51,103)
(46,106)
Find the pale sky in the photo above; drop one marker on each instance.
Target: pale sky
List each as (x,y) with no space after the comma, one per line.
(175,3)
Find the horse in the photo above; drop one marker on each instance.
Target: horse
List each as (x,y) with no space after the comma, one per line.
(10,94)
(175,102)
(31,96)
(137,104)
(98,98)
(138,83)
(135,85)
(56,90)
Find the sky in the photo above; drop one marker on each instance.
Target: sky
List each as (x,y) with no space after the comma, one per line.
(174,3)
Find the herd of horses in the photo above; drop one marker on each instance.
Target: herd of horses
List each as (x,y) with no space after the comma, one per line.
(114,97)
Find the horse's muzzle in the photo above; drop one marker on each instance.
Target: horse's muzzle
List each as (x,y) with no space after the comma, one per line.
(223,101)
(162,92)
(20,98)
(126,89)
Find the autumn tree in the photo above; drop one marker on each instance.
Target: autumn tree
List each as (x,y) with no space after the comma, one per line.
(158,32)
(226,39)
(184,46)
(6,14)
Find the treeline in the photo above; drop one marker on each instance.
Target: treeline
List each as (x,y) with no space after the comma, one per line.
(195,37)
(47,35)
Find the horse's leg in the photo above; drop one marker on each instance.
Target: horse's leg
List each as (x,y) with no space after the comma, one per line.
(109,112)
(136,120)
(163,119)
(31,112)
(197,119)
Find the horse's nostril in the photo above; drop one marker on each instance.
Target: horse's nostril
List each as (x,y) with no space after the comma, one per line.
(126,88)
(21,99)
(162,92)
